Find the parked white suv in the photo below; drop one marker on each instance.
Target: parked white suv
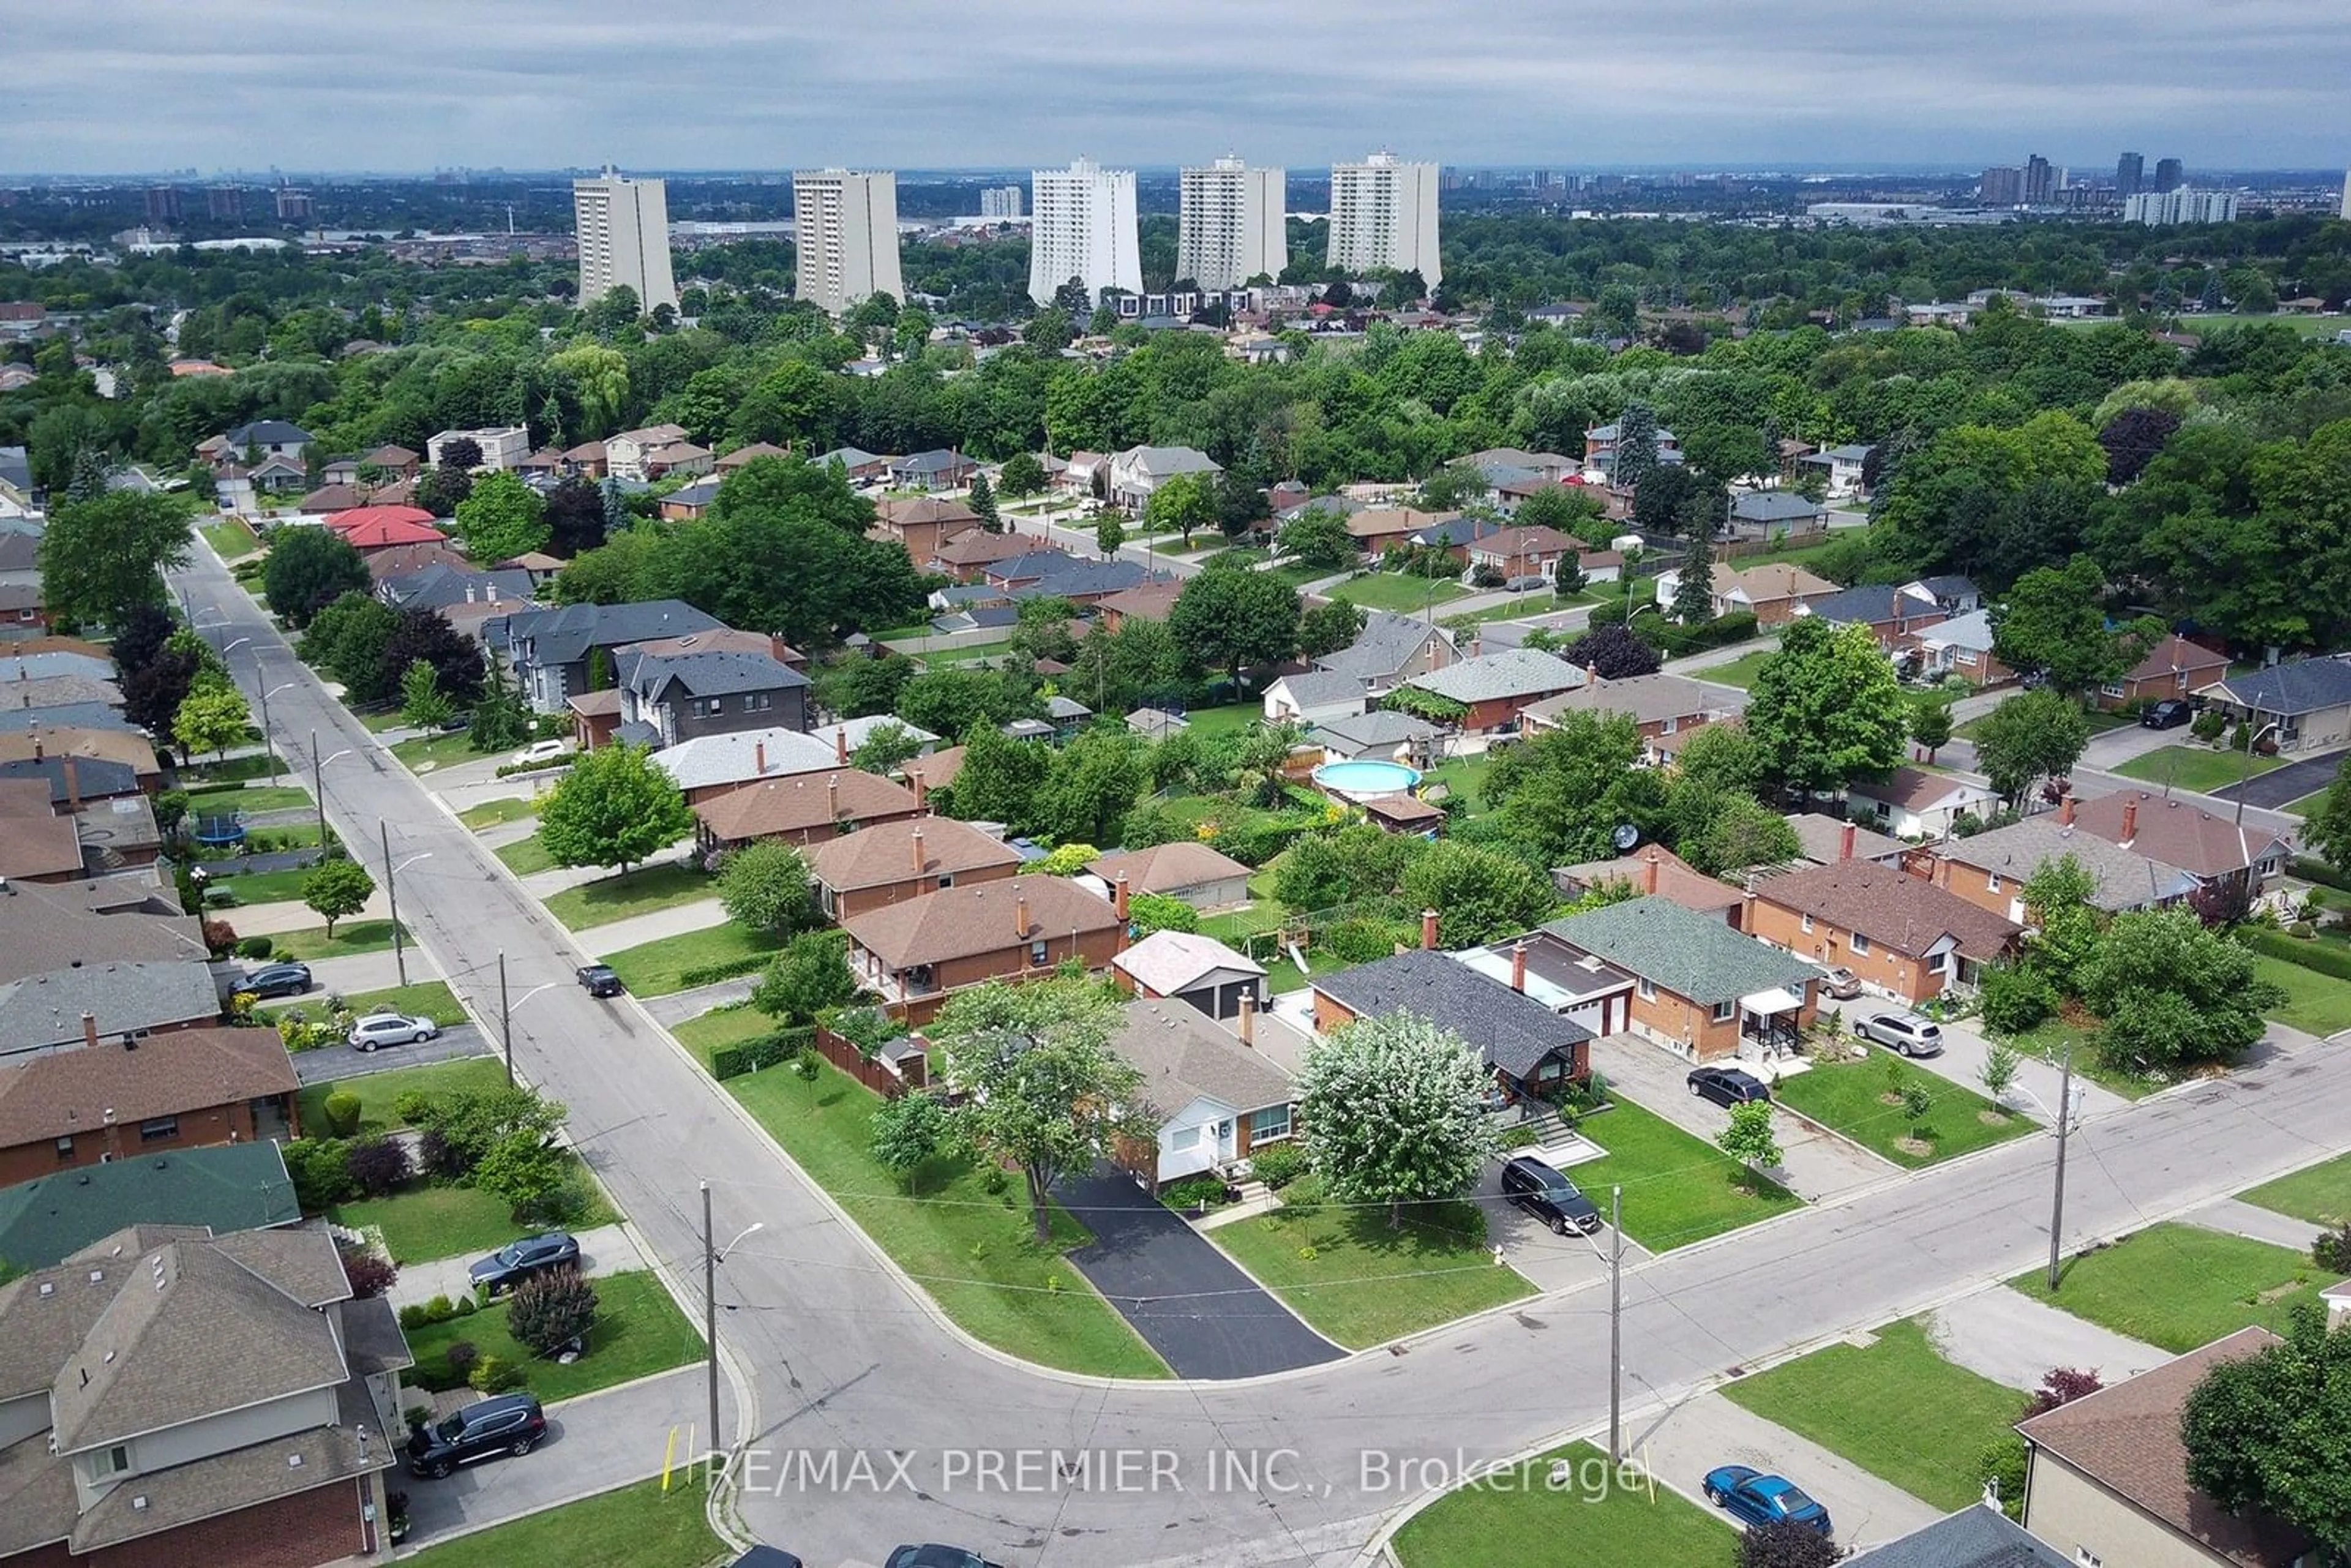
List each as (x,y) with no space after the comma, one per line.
(541,751)
(1905,1032)
(392,1028)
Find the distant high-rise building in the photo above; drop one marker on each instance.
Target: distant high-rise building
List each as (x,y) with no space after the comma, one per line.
(1384,213)
(224,201)
(2040,182)
(2130,176)
(164,204)
(294,206)
(623,228)
(2182,204)
(2168,174)
(2003,185)
(1000,202)
(845,227)
(1233,226)
(1082,227)
(2347,194)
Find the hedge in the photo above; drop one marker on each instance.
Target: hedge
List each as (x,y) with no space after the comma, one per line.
(2320,957)
(711,973)
(761,1053)
(508,769)
(1675,641)
(2309,868)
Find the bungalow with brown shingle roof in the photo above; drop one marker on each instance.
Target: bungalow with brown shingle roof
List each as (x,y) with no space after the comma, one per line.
(916,953)
(1903,935)
(801,808)
(890,863)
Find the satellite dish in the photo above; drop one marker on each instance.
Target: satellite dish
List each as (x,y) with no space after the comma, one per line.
(1625,836)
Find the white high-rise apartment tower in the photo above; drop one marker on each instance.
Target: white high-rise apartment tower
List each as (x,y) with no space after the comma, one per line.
(845,229)
(2346,193)
(1000,202)
(1082,226)
(1384,213)
(1232,225)
(623,227)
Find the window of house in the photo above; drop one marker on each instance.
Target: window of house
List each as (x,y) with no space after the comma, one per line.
(1859,943)
(1940,964)
(111,1461)
(2113,689)
(1991,882)
(1723,1011)
(159,1127)
(760,702)
(65,1148)
(946,879)
(1967,657)
(1037,955)
(1648,990)
(1268,1124)
(2086,1558)
(1183,1138)
(1808,922)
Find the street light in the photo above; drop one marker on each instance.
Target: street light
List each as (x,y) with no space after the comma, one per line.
(710,1257)
(506,1012)
(392,891)
(2246,777)
(318,785)
(269,746)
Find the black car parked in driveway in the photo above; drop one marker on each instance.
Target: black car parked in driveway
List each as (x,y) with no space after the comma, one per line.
(507,1423)
(2169,713)
(1727,1086)
(287,980)
(515,1261)
(1544,1192)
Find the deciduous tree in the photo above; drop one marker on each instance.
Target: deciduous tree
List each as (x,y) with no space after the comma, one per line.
(764,886)
(2174,994)
(614,806)
(307,570)
(1229,618)
(1184,502)
(808,976)
(337,888)
(1827,708)
(101,560)
(1318,538)
(501,518)
(212,717)
(2028,738)
(1392,1110)
(2265,1432)
(1750,1137)
(1612,653)
(1480,894)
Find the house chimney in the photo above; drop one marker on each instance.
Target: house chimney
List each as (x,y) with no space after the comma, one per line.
(841,742)
(1020,916)
(2065,812)
(759,759)
(832,796)
(89,1030)
(1844,843)
(922,790)
(1649,869)
(2130,822)
(1519,965)
(73,784)
(1118,895)
(916,839)
(1246,1024)
(1942,875)
(37,745)
(1428,929)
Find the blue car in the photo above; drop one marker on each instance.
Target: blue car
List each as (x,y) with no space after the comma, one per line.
(1759,1499)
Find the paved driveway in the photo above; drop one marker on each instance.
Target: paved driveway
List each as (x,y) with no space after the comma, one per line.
(2281,786)
(1189,1302)
(332,1063)
(1815,1164)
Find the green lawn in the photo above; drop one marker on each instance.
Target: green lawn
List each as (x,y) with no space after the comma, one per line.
(236,769)
(948,653)
(428,752)
(2052,1039)
(2320,1194)
(434,999)
(2308,326)
(1234,927)
(1360,1283)
(2181,1286)
(637,1332)
(1739,672)
(2194,768)
(1400,591)
(249,798)
(639,891)
(2316,1003)
(231,538)
(1897,1410)
(2099,722)
(727,1026)
(1465,776)
(1678,1189)
(379,1092)
(506,808)
(1804,554)
(2305,806)
(428,1222)
(1230,719)
(970,1246)
(1595,1522)
(260,886)
(350,936)
(1850,1097)
(656,968)
(635,1526)
(524,856)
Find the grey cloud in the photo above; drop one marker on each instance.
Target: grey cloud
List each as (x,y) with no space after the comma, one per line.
(946,83)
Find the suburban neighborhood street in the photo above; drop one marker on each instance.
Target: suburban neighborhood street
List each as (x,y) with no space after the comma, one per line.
(843,1355)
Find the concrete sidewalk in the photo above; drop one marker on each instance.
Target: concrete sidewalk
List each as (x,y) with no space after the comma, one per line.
(2236,1218)
(2009,1337)
(1680,1446)
(607,1250)
(1815,1165)
(699,915)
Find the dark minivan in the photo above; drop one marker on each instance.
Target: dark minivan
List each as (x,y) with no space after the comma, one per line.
(507,1423)
(1549,1196)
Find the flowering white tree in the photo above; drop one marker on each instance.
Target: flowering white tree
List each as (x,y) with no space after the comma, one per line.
(1392,1108)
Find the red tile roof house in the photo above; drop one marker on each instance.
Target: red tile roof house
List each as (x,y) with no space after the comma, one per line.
(916,953)
(373,529)
(2174,667)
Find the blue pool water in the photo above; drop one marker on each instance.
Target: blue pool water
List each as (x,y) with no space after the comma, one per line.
(1364,778)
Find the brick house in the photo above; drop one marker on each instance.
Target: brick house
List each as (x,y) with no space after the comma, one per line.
(1892,612)
(1532,1050)
(923,524)
(887,862)
(1659,705)
(1496,688)
(1700,988)
(1774,593)
(918,951)
(2214,849)
(1990,869)
(1903,935)
(1211,1099)
(804,808)
(625,454)
(2175,668)
(1657,871)
(106,1100)
(1512,552)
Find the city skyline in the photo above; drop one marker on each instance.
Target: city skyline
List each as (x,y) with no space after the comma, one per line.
(753,88)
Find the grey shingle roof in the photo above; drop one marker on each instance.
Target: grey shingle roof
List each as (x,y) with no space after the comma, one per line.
(93,777)
(266,432)
(44,667)
(440,585)
(46,1009)
(1774,507)
(234,1186)
(1164,462)
(1323,688)
(1386,644)
(1352,735)
(1513,672)
(1693,956)
(2299,686)
(1184,1057)
(1975,1537)
(718,672)
(1872,602)
(67,716)
(564,636)
(1509,1031)
(2124,879)
(938,460)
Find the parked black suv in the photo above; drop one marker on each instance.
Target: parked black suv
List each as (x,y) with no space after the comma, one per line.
(1727,1086)
(2169,713)
(1549,1196)
(286,979)
(507,1423)
(598,979)
(515,1261)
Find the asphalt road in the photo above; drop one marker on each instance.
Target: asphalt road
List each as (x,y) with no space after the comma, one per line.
(332,1063)
(849,1364)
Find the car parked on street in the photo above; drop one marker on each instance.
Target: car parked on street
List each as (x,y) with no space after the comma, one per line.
(515,1261)
(1759,1498)
(931,1554)
(1905,1032)
(599,980)
(2169,713)
(505,1423)
(1542,1191)
(1727,1086)
(287,980)
(392,1028)
(1841,983)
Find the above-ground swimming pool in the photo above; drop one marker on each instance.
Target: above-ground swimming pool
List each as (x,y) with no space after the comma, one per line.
(1366,779)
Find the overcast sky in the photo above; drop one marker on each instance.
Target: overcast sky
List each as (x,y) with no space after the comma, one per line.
(101,86)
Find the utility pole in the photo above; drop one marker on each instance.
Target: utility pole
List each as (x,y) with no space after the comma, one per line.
(710,1312)
(392,891)
(1616,1323)
(2057,1206)
(318,791)
(506,1016)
